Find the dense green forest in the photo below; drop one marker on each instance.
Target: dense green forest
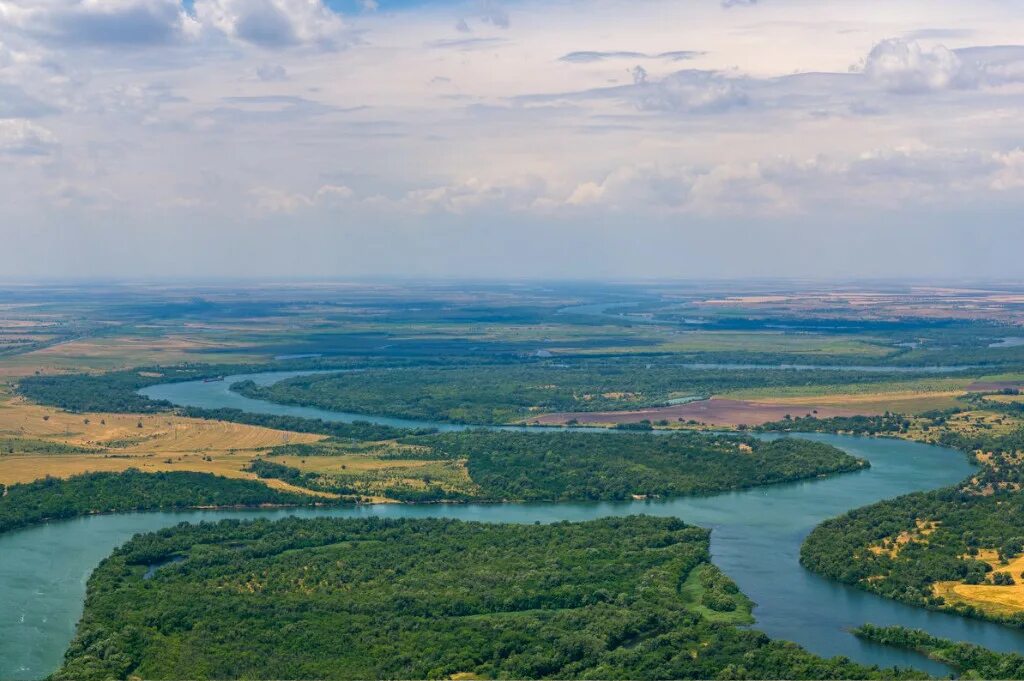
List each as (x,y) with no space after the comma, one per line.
(416,599)
(971,661)
(55,499)
(884,424)
(579,466)
(588,466)
(961,524)
(503,393)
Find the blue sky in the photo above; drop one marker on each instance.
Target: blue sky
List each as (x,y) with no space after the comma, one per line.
(606,138)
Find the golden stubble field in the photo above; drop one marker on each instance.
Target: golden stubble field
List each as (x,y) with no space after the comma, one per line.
(999,600)
(155,442)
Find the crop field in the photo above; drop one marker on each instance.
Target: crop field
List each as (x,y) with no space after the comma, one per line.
(996,599)
(114,442)
(18,468)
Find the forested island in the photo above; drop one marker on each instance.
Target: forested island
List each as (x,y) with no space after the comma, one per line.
(418,599)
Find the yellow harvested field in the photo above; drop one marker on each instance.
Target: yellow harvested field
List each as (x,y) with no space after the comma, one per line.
(990,598)
(164,442)
(120,433)
(121,352)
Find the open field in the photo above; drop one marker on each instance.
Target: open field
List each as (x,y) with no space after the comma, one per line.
(374,477)
(107,353)
(116,442)
(19,468)
(999,600)
(138,434)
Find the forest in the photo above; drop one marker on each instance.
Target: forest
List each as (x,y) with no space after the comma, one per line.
(585,466)
(505,393)
(971,661)
(579,466)
(132,490)
(901,547)
(420,599)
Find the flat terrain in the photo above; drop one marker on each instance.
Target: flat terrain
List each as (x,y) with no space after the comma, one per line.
(94,442)
(996,599)
(716,411)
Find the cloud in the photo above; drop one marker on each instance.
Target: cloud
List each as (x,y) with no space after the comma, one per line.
(270,200)
(16,103)
(493,13)
(1010,175)
(691,91)
(462,27)
(904,67)
(271,73)
(586,57)
(274,24)
(515,194)
(25,138)
(115,23)
(465,44)
(722,189)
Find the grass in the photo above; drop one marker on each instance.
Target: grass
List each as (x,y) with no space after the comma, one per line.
(18,468)
(997,600)
(39,441)
(373,476)
(692,590)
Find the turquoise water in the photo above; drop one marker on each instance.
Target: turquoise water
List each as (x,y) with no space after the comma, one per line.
(756,539)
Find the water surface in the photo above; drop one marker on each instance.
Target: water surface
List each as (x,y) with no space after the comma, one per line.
(756,537)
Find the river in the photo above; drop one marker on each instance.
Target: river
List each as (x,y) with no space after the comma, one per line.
(756,537)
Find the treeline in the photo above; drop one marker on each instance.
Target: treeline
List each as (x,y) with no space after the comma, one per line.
(132,490)
(356,430)
(971,661)
(862,547)
(563,466)
(583,466)
(418,599)
(578,466)
(325,483)
(27,445)
(503,393)
(884,424)
(117,391)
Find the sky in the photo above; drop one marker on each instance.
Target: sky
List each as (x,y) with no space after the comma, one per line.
(511,139)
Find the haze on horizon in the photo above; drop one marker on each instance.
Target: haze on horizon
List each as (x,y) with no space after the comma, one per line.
(488,138)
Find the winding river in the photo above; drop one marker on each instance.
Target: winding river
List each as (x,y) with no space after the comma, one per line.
(756,539)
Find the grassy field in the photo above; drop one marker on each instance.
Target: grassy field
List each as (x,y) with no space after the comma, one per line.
(997,600)
(116,442)
(374,476)
(692,593)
